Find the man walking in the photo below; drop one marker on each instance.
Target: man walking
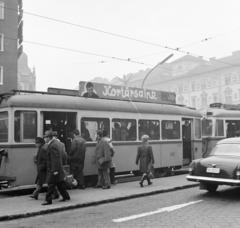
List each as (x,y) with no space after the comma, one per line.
(76,158)
(103,161)
(55,173)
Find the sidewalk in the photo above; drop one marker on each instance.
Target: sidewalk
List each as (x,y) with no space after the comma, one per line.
(23,206)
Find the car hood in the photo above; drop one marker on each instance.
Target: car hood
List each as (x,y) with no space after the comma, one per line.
(226,164)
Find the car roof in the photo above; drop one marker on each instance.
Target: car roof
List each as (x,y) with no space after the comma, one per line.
(230,140)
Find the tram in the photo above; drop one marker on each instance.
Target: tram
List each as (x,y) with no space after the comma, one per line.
(219,121)
(174,131)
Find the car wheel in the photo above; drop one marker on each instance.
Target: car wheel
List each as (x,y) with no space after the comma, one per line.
(211,187)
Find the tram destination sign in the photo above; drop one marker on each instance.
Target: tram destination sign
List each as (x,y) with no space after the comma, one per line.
(107,91)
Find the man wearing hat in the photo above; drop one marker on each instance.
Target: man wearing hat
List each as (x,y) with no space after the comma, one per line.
(55,173)
(41,160)
(103,161)
(76,158)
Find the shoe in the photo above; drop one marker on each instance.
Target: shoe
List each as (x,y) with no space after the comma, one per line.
(34,197)
(81,187)
(55,197)
(97,186)
(106,187)
(149,183)
(141,184)
(46,203)
(114,183)
(63,200)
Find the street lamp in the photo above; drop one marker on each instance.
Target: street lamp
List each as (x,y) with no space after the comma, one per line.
(156,67)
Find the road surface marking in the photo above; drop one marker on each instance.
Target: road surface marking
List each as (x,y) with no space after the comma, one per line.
(165,209)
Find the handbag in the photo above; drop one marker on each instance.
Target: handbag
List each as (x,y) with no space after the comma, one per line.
(151,173)
(69,181)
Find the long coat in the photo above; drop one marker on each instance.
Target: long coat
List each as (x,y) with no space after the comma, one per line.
(41,160)
(145,155)
(54,163)
(103,151)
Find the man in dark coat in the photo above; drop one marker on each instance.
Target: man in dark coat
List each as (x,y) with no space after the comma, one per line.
(103,161)
(76,158)
(41,160)
(55,173)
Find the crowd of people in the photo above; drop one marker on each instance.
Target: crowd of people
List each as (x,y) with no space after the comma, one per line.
(52,157)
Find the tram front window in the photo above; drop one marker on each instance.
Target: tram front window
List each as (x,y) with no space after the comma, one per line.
(206,127)
(25,126)
(3,126)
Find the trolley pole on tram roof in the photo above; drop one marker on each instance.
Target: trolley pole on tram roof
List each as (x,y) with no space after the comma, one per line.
(156,67)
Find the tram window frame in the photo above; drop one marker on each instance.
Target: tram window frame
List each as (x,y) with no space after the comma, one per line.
(197,129)
(167,134)
(101,125)
(207,127)
(20,126)
(152,132)
(221,131)
(4,129)
(122,134)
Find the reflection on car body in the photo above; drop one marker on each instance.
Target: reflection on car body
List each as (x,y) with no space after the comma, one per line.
(221,167)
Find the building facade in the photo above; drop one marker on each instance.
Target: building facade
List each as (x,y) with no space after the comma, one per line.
(196,82)
(26,76)
(11,37)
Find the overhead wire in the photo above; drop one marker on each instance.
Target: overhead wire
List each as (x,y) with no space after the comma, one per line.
(178,49)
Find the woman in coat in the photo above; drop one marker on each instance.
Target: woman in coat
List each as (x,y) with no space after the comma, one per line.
(41,160)
(145,155)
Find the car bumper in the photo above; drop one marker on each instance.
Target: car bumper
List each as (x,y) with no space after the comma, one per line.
(213,180)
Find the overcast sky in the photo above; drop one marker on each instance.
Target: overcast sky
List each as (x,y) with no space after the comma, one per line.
(71,30)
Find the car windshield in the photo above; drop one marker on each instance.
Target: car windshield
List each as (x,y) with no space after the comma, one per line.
(226,149)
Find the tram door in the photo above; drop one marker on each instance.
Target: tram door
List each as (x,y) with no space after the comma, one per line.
(187,140)
(62,122)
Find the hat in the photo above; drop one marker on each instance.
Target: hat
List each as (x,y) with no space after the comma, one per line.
(48,134)
(54,133)
(39,140)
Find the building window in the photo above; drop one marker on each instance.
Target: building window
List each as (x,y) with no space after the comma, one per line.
(228,98)
(1,75)
(1,42)
(227,80)
(215,98)
(193,102)
(180,89)
(204,101)
(1,10)
(193,86)
(203,85)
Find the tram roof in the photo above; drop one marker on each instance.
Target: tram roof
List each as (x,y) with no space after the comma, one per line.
(46,101)
(223,113)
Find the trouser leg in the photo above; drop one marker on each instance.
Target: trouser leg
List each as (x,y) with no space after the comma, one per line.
(100,178)
(80,176)
(37,190)
(112,174)
(106,177)
(55,192)
(62,190)
(49,193)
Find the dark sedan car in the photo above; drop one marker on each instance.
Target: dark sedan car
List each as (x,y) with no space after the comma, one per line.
(221,167)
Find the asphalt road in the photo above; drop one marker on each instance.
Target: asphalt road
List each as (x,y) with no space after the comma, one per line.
(187,208)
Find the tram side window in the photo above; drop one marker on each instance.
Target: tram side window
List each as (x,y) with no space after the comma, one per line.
(124,130)
(206,127)
(89,127)
(197,128)
(219,128)
(25,126)
(232,127)
(150,128)
(3,126)
(170,129)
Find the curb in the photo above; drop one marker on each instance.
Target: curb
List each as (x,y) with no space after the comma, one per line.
(47,211)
